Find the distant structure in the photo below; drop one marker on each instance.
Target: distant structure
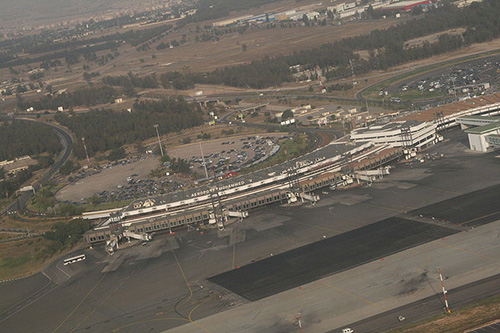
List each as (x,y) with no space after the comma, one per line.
(410,133)
(483,132)
(406,6)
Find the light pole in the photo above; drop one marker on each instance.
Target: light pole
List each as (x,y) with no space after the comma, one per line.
(204,163)
(158,135)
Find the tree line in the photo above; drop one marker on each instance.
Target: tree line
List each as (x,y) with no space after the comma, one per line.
(386,48)
(213,9)
(73,49)
(105,130)
(91,96)
(26,138)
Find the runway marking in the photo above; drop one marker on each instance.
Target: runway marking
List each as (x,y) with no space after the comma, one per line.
(57,266)
(81,302)
(314,226)
(156,315)
(351,294)
(480,217)
(28,297)
(100,304)
(234,254)
(91,313)
(191,313)
(184,276)
(290,239)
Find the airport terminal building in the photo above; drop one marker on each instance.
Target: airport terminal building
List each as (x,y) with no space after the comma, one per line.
(410,133)
(483,132)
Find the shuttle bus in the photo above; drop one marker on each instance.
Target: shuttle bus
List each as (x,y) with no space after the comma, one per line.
(74,259)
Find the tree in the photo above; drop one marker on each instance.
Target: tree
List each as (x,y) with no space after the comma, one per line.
(179,165)
(117,154)
(305,19)
(287,114)
(243,47)
(68,167)
(94,200)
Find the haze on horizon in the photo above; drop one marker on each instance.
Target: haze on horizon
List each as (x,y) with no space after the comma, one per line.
(16,13)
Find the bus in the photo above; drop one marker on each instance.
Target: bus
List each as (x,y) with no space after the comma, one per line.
(74,259)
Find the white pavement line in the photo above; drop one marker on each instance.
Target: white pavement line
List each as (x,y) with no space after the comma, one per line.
(57,266)
(33,301)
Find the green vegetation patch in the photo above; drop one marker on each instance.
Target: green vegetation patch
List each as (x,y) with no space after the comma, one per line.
(289,148)
(14,262)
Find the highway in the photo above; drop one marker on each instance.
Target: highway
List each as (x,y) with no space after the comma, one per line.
(67,144)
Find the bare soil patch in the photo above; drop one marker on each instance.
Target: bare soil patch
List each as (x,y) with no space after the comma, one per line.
(107,180)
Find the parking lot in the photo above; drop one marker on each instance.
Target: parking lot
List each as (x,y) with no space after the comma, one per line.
(107,178)
(131,178)
(468,78)
(228,155)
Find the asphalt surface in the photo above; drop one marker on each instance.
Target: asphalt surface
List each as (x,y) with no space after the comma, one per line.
(333,255)
(431,306)
(164,285)
(471,209)
(442,66)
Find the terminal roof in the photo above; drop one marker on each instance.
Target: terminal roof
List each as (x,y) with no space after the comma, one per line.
(325,152)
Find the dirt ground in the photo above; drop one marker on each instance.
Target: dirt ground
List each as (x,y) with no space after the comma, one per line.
(461,321)
(107,179)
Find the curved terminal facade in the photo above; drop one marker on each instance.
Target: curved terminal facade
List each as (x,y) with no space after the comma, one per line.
(295,180)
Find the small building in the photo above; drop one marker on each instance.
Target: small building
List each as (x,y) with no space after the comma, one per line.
(405,6)
(483,132)
(231,21)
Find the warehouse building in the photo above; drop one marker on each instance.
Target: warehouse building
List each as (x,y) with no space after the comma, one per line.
(405,6)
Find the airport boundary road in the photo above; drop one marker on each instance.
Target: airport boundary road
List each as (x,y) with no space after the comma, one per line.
(67,144)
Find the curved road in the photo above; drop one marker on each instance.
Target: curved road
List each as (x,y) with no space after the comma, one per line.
(67,143)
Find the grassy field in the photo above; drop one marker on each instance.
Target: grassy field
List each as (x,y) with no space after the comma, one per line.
(460,320)
(288,150)
(21,258)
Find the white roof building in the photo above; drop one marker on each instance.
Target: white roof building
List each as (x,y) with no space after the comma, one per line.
(410,133)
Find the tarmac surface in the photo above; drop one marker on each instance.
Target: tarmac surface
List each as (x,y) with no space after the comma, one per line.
(430,306)
(163,285)
(333,255)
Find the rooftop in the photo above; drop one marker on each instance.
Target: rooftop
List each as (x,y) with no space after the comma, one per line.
(493,119)
(484,129)
(326,152)
(388,126)
(455,107)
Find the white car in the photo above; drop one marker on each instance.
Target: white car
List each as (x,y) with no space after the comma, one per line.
(347,330)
